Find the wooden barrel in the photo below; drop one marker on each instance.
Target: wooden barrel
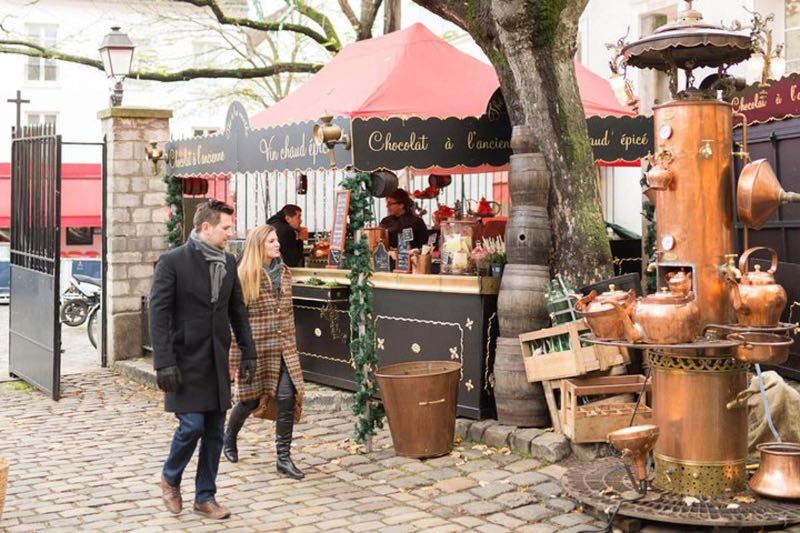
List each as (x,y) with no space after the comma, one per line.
(528,236)
(528,180)
(521,305)
(519,403)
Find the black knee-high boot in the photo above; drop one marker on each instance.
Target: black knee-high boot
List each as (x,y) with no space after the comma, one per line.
(239,414)
(284,426)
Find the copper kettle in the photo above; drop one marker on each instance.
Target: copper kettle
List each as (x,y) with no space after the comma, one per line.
(757,300)
(608,314)
(667,317)
(660,176)
(680,282)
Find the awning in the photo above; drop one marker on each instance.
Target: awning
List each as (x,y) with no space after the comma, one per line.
(81,195)
(411,72)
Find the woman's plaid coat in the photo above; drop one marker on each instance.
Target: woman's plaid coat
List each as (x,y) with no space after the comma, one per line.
(272,322)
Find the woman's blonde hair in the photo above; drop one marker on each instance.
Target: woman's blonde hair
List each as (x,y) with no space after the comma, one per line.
(252,263)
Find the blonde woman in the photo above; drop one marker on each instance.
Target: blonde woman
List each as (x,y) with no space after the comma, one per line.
(267,289)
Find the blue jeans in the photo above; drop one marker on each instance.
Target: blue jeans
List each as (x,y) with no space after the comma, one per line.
(208,428)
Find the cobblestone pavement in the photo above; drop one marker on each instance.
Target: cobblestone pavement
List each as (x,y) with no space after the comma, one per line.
(78,356)
(91,462)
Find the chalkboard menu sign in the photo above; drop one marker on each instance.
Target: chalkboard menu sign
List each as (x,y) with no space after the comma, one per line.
(381,258)
(403,243)
(339,231)
(334,259)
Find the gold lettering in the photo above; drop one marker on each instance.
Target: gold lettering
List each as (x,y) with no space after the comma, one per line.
(633,140)
(602,141)
(473,143)
(378,142)
(742,105)
(265,147)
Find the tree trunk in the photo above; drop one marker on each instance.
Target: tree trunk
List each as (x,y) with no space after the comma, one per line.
(391,16)
(531,44)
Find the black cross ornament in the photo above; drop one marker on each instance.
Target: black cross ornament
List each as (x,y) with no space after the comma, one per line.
(18,101)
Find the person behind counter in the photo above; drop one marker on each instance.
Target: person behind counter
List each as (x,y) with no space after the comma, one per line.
(288,223)
(401,216)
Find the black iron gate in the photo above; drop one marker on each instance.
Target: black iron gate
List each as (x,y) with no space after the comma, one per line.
(34,346)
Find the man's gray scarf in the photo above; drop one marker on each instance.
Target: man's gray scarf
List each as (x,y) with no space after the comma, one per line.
(274,272)
(216,263)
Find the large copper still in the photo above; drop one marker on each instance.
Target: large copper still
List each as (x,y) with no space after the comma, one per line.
(694,214)
(703,444)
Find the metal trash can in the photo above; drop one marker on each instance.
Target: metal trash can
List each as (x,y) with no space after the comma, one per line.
(420,403)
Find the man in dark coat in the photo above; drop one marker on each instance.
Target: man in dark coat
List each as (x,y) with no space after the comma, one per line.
(195,300)
(287,223)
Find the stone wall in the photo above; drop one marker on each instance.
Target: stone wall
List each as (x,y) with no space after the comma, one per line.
(135,221)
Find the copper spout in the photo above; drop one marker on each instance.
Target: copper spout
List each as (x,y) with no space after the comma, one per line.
(635,443)
(740,400)
(743,152)
(729,269)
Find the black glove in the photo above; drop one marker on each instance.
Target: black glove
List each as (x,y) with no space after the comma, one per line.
(169,378)
(247,370)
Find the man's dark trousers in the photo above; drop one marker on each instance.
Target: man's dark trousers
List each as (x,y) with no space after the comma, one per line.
(207,427)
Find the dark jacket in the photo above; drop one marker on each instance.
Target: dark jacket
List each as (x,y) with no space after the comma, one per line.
(187,330)
(291,246)
(395,225)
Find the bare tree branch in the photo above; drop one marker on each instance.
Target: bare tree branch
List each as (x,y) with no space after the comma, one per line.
(321,19)
(35,50)
(329,41)
(369,10)
(350,14)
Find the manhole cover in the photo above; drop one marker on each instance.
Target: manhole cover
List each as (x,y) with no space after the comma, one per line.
(600,483)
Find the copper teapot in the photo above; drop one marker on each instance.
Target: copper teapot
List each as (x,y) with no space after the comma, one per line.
(680,282)
(757,300)
(660,176)
(667,317)
(608,314)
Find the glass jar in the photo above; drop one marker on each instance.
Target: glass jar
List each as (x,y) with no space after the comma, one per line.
(455,245)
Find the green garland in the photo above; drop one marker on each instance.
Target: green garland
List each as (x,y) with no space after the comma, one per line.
(174,198)
(649,214)
(362,323)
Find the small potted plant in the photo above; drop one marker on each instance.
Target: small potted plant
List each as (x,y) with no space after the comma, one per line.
(497,255)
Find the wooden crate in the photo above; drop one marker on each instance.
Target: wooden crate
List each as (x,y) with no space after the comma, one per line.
(558,352)
(592,422)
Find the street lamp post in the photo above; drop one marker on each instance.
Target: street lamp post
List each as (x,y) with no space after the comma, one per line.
(117,55)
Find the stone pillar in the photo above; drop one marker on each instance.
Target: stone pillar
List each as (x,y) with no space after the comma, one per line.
(135,221)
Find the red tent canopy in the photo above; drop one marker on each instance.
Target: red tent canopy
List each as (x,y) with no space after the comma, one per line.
(410,73)
(81,195)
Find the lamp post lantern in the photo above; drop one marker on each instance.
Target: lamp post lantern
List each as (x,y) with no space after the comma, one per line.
(117,55)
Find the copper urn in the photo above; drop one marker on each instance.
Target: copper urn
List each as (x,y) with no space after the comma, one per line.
(778,475)
(757,300)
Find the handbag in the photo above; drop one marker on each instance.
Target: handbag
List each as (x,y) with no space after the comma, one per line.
(268,408)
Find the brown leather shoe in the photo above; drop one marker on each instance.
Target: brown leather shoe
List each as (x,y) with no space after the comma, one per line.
(212,509)
(171,496)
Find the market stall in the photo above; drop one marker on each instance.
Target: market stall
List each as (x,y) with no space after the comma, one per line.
(408,114)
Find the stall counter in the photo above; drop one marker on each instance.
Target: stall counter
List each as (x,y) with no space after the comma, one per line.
(418,317)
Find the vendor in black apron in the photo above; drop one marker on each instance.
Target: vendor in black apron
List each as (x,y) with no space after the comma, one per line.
(401,216)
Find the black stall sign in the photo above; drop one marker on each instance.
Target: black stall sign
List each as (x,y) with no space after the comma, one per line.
(615,139)
(403,249)
(241,149)
(381,258)
(421,143)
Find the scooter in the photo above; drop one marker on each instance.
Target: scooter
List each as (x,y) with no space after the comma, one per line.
(82,295)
